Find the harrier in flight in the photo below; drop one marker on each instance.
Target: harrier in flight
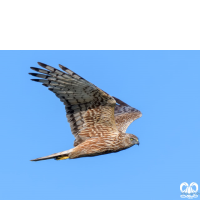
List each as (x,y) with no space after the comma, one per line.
(98,121)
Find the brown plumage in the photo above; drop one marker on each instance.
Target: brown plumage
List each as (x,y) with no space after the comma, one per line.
(98,121)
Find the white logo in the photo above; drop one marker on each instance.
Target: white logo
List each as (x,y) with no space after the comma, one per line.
(189,191)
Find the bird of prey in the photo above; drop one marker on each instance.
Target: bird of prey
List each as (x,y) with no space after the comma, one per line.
(98,121)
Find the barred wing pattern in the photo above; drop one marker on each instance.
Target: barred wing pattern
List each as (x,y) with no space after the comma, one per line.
(90,111)
(125,115)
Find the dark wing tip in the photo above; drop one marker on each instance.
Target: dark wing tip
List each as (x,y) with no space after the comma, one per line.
(42,64)
(37,80)
(34,68)
(63,67)
(33,74)
(34,160)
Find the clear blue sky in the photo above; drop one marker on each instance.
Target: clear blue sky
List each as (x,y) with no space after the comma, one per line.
(163,85)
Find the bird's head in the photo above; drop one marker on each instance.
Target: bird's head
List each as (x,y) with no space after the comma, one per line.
(130,140)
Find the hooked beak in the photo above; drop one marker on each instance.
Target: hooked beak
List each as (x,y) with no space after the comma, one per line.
(138,143)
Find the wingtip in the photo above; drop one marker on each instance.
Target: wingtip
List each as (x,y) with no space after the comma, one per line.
(45,85)
(37,80)
(32,74)
(42,64)
(63,67)
(34,68)
(37,159)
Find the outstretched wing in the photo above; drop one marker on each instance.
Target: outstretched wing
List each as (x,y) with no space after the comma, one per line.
(125,115)
(90,111)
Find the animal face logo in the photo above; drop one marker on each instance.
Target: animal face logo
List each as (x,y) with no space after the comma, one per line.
(189,191)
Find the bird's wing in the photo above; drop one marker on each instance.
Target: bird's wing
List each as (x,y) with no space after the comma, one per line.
(125,115)
(90,111)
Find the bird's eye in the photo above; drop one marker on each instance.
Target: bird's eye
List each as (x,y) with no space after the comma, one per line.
(131,139)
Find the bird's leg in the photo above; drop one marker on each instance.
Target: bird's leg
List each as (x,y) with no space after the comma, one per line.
(62,158)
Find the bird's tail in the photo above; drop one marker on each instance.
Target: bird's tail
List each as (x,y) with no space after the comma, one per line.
(58,156)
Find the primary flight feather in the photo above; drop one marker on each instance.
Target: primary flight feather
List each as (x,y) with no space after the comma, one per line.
(97,120)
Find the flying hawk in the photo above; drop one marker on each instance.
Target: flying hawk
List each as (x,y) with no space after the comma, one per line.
(98,121)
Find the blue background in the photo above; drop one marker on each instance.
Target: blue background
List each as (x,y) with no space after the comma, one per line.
(163,85)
